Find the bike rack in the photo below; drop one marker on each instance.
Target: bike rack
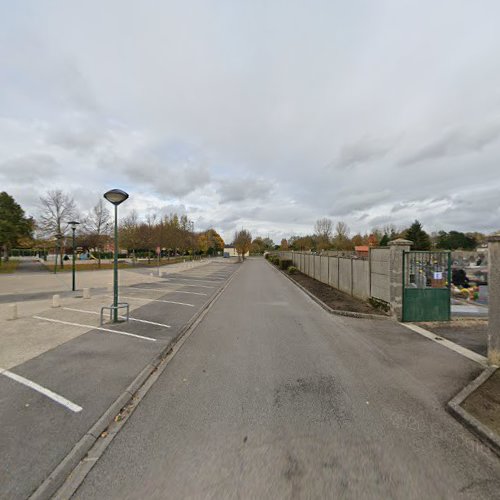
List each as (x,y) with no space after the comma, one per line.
(111,308)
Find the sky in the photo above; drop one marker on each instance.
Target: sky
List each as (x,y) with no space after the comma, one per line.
(264,115)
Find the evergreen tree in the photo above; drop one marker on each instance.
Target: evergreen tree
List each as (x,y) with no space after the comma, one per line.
(13,223)
(384,241)
(421,240)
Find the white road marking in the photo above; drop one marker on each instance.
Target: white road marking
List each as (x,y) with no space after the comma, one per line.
(42,390)
(195,279)
(163,290)
(92,327)
(122,317)
(158,300)
(474,356)
(185,284)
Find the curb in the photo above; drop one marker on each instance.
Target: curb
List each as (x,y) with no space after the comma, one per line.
(485,434)
(61,473)
(337,312)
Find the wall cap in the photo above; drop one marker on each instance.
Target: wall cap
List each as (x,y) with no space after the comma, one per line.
(400,242)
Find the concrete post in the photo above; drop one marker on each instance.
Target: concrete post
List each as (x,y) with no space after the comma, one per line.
(12,314)
(56,301)
(494,299)
(397,247)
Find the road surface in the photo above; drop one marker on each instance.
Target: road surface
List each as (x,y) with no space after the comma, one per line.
(272,397)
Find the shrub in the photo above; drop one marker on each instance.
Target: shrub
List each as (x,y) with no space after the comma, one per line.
(379,304)
(292,270)
(285,263)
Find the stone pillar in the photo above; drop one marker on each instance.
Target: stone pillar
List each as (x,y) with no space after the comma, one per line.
(494,299)
(397,247)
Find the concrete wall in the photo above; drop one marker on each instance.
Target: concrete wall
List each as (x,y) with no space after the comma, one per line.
(323,275)
(345,275)
(380,274)
(317,267)
(361,278)
(333,278)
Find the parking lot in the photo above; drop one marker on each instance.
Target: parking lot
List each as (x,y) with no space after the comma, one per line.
(60,370)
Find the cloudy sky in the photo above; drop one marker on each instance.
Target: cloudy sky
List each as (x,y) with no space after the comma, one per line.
(263,114)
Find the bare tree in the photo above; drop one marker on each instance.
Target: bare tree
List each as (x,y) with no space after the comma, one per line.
(324,227)
(242,242)
(341,239)
(96,225)
(57,209)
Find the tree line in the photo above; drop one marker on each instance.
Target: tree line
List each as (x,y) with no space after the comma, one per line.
(326,236)
(148,236)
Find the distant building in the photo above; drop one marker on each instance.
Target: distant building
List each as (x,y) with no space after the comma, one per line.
(362,250)
(230,251)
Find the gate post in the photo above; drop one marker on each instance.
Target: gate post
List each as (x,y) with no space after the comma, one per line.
(494,299)
(397,247)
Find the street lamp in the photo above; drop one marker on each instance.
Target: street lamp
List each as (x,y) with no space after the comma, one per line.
(115,196)
(73,225)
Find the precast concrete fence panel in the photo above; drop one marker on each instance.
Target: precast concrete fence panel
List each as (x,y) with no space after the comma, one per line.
(345,275)
(361,278)
(380,274)
(325,264)
(333,278)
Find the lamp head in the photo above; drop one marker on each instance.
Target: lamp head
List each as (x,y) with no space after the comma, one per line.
(73,224)
(116,196)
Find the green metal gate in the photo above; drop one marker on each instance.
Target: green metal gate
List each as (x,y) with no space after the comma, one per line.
(426,286)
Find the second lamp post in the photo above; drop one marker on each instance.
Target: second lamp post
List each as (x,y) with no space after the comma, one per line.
(73,225)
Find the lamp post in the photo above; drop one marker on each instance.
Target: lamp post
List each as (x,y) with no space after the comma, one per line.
(115,196)
(73,225)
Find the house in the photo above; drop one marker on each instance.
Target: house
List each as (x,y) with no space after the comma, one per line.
(230,251)
(362,250)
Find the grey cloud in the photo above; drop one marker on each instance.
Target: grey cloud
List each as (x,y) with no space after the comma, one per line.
(236,190)
(167,180)
(455,142)
(350,201)
(27,168)
(361,151)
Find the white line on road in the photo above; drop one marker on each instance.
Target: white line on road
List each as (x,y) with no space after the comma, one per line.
(158,300)
(194,279)
(42,390)
(446,343)
(92,327)
(163,290)
(121,317)
(185,284)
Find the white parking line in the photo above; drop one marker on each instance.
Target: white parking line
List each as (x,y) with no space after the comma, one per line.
(121,317)
(164,290)
(185,284)
(42,390)
(195,280)
(92,327)
(158,300)
(447,343)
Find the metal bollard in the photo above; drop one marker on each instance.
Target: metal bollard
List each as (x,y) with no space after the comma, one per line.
(56,301)
(12,311)
(86,293)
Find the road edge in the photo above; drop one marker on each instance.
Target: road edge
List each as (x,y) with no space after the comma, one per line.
(337,312)
(128,400)
(486,435)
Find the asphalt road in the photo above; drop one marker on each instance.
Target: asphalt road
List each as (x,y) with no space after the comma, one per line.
(272,397)
(92,371)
